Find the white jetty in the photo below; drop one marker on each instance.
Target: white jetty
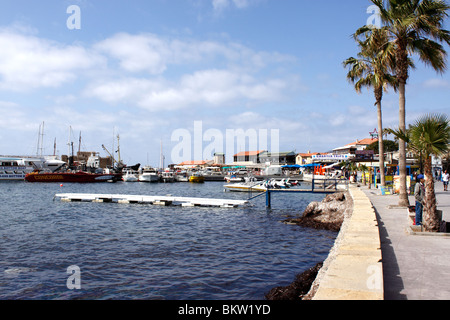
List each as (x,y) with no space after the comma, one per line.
(155,200)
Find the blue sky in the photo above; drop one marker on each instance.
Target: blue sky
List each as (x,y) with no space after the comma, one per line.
(145,68)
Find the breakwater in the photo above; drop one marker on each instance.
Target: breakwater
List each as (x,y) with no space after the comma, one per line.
(353,269)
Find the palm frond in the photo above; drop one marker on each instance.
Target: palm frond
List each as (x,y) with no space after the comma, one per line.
(430,134)
(431,53)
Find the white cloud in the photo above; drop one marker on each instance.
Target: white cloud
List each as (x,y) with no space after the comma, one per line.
(240,4)
(155,54)
(206,88)
(436,84)
(137,52)
(12,116)
(220,5)
(28,62)
(135,74)
(220,73)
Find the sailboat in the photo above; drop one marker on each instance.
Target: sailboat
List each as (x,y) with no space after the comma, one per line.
(71,174)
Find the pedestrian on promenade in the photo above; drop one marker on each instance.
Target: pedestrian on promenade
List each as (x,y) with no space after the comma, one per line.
(419,194)
(445,177)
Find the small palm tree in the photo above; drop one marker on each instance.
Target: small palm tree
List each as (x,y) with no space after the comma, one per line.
(352,169)
(363,169)
(372,70)
(415,27)
(429,135)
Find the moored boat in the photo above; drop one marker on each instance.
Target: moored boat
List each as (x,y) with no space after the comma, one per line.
(246,187)
(182,176)
(233,178)
(16,168)
(167,176)
(196,178)
(79,176)
(250,185)
(148,174)
(130,176)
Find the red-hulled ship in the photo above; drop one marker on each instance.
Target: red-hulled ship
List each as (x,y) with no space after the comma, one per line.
(80,176)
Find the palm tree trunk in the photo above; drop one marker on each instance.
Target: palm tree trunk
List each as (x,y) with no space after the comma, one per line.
(381,144)
(431,221)
(403,194)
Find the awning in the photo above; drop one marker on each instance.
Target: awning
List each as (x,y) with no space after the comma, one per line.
(293,166)
(332,165)
(311,165)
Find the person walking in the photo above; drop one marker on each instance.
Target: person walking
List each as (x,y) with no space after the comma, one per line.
(419,194)
(445,177)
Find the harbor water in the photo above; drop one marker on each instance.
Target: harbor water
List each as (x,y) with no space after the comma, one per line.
(136,251)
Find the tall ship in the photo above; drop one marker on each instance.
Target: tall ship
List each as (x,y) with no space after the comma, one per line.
(75,172)
(76,176)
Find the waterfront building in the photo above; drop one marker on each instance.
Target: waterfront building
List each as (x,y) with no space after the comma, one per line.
(305,158)
(358,145)
(195,164)
(248,158)
(219,158)
(278,158)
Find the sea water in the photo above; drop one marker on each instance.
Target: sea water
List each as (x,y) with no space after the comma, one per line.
(136,251)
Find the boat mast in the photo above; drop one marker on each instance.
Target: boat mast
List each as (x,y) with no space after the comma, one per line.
(118,149)
(40,142)
(79,144)
(68,141)
(70,146)
(161,159)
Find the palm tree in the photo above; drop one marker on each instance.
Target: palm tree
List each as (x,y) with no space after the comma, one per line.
(372,70)
(429,135)
(363,169)
(415,26)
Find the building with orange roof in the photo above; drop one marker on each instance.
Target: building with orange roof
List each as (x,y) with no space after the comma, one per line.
(352,147)
(195,164)
(306,158)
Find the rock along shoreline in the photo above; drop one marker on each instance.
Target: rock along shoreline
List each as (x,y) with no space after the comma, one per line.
(329,214)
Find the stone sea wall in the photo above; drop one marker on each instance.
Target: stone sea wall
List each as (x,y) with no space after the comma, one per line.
(353,268)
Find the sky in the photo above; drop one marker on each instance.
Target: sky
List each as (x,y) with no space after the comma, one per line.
(178,73)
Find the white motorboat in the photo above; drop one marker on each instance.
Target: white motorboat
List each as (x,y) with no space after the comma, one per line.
(275,184)
(148,174)
(249,185)
(245,187)
(182,176)
(130,176)
(52,164)
(233,178)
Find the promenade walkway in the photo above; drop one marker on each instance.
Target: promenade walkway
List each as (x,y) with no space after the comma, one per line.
(415,267)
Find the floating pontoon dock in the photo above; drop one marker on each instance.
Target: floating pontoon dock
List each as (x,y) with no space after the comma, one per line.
(155,200)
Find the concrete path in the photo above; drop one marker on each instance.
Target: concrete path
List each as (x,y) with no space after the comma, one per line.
(415,267)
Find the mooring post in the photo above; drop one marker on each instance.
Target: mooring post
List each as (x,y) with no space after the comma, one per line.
(268,200)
